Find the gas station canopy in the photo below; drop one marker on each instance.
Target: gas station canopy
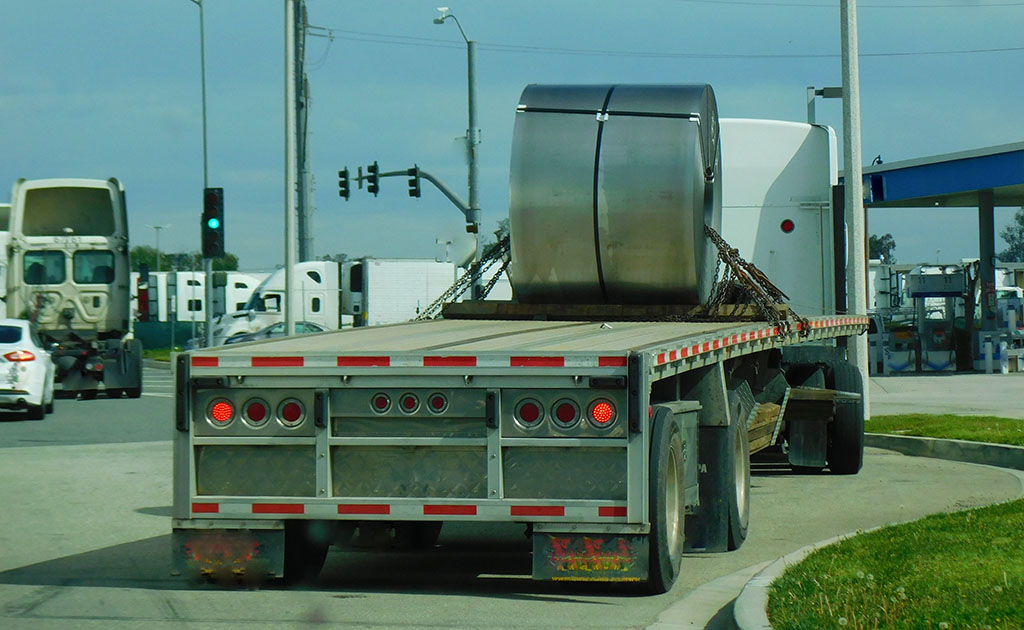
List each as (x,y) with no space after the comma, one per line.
(951,180)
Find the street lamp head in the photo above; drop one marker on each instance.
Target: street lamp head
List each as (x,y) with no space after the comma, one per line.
(444,15)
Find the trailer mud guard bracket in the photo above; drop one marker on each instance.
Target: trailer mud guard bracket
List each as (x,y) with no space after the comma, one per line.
(181,392)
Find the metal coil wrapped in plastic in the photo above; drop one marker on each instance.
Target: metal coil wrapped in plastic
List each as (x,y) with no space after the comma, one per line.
(611,186)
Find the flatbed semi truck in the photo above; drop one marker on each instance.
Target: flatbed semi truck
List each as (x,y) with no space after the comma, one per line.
(611,408)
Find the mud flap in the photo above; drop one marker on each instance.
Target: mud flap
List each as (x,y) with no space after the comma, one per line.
(228,553)
(575,557)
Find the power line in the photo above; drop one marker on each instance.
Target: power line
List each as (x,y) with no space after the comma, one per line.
(402,40)
(833,5)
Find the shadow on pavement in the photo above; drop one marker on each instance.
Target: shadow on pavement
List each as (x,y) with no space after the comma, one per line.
(466,562)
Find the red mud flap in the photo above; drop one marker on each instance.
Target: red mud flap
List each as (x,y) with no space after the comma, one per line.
(590,557)
(227,553)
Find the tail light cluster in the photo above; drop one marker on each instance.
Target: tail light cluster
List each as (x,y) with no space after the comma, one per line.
(565,413)
(255,413)
(409,403)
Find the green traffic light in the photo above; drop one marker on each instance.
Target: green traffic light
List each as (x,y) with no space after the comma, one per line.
(213,223)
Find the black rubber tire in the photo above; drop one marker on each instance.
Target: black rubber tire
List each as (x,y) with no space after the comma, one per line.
(88,394)
(134,392)
(48,407)
(846,433)
(35,412)
(667,505)
(305,549)
(739,501)
(114,393)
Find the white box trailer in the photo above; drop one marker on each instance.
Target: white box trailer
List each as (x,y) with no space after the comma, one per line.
(594,408)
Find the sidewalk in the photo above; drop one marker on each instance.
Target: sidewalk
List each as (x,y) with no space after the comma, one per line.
(968,394)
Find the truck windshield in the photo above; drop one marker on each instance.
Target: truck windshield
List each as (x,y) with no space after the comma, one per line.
(44,267)
(68,210)
(93,267)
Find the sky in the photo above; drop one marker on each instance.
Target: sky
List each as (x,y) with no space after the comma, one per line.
(101,88)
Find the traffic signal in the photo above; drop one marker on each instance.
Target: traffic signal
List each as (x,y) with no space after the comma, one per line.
(414,181)
(372,179)
(343,190)
(213,223)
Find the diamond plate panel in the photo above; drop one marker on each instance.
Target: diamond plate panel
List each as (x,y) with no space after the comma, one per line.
(565,473)
(410,471)
(272,471)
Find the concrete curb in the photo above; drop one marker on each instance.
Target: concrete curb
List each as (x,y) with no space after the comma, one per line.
(750,608)
(1001,455)
(153,363)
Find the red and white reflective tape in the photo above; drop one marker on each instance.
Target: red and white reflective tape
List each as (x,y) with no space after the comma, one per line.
(411,510)
(411,361)
(704,347)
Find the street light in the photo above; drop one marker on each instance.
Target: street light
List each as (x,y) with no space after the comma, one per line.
(207,263)
(158,228)
(472,140)
(829,92)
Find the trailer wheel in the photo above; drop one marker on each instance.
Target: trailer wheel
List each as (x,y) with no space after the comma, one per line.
(667,507)
(739,502)
(846,433)
(305,549)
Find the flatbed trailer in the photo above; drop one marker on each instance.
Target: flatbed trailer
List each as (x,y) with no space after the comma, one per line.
(384,432)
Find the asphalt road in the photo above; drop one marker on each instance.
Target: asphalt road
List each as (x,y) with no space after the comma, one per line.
(100,420)
(84,540)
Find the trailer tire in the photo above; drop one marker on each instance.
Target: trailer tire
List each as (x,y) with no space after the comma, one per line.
(846,433)
(667,505)
(739,501)
(305,549)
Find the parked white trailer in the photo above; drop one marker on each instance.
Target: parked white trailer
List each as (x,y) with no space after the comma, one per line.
(611,408)
(378,291)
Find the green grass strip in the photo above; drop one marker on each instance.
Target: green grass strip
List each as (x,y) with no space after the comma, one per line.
(947,571)
(974,428)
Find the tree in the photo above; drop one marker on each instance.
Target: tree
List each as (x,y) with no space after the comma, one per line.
(186,261)
(882,248)
(1013,234)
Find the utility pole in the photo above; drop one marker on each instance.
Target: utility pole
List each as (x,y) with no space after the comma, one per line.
(291,9)
(856,265)
(303,174)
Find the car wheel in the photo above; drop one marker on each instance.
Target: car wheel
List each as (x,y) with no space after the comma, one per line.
(35,412)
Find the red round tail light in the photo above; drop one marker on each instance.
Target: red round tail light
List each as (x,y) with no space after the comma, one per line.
(255,413)
(291,413)
(566,413)
(380,403)
(409,403)
(437,403)
(221,413)
(528,414)
(788,226)
(602,413)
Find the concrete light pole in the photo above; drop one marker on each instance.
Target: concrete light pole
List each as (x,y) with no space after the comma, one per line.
(291,8)
(472,140)
(158,228)
(207,262)
(856,266)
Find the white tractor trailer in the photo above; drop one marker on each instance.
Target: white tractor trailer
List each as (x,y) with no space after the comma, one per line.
(611,407)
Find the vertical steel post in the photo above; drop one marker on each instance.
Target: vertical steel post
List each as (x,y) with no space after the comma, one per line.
(472,140)
(290,161)
(856,276)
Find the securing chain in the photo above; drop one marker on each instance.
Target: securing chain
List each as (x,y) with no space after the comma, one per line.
(741,282)
(497,251)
